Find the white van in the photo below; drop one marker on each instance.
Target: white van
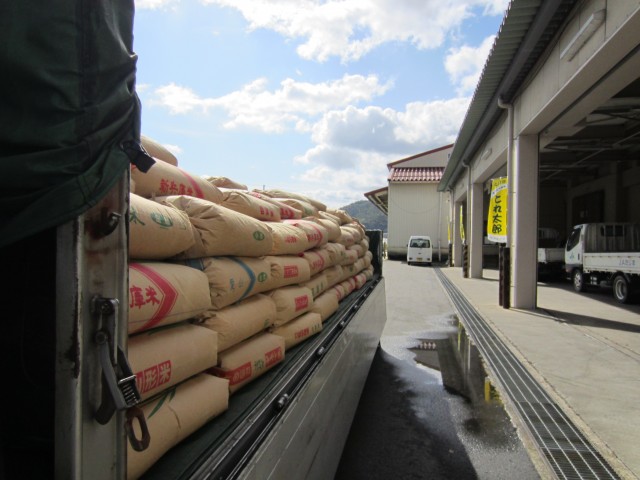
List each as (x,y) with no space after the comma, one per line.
(419,249)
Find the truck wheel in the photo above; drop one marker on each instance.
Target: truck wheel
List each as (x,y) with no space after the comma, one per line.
(578,280)
(621,289)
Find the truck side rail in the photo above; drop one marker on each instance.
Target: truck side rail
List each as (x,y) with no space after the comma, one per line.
(222,448)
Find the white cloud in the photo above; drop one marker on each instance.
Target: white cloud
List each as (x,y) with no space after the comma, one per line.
(389,132)
(154,4)
(350,29)
(354,145)
(290,106)
(464,65)
(175,149)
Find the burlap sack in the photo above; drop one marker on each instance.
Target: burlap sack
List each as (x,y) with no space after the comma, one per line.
(330,216)
(287,270)
(232,279)
(224,182)
(156,231)
(221,231)
(175,415)
(291,302)
(327,304)
(286,211)
(240,321)
(164,293)
(319,259)
(317,284)
(299,329)
(164,179)
(249,359)
(365,243)
(158,151)
(161,358)
(249,205)
(317,235)
(287,239)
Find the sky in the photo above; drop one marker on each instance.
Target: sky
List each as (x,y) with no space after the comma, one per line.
(309,96)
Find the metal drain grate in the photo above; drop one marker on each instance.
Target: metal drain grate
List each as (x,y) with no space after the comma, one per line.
(568,452)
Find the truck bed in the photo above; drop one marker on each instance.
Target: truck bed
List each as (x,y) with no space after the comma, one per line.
(551,255)
(628,262)
(293,421)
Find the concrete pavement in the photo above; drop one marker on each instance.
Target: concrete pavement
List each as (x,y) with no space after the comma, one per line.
(584,348)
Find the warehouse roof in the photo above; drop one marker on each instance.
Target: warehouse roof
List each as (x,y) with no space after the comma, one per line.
(416,174)
(526,30)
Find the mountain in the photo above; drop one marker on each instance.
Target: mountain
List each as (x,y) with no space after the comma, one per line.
(368,214)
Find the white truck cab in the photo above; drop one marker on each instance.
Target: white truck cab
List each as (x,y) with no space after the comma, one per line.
(419,249)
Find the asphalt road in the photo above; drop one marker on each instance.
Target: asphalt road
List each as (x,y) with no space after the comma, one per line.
(408,426)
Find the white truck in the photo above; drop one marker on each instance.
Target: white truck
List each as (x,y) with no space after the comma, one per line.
(72,407)
(605,254)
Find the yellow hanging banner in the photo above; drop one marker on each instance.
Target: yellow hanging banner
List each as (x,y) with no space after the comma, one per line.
(497,218)
(461,224)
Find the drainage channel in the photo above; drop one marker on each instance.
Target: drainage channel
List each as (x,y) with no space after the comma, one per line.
(568,452)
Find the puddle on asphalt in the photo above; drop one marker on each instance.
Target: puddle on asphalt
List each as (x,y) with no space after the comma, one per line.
(450,354)
(458,362)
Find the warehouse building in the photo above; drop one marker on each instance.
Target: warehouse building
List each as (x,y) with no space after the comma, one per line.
(412,202)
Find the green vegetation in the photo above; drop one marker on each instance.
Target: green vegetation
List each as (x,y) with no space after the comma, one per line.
(368,214)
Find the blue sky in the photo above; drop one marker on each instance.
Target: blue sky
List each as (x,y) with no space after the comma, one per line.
(310,96)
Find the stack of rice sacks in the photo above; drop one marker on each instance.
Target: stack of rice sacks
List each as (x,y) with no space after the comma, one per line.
(222,282)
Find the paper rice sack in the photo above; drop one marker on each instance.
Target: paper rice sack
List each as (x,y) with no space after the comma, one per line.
(327,304)
(291,302)
(317,235)
(224,182)
(299,329)
(158,151)
(161,358)
(220,231)
(249,205)
(286,211)
(317,284)
(157,232)
(287,239)
(240,321)
(249,359)
(164,293)
(319,259)
(174,416)
(232,279)
(288,270)
(164,179)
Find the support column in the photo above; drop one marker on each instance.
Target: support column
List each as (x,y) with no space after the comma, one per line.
(476,218)
(457,241)
(524,211)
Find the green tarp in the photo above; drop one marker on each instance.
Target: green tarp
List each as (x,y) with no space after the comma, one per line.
(67,105)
